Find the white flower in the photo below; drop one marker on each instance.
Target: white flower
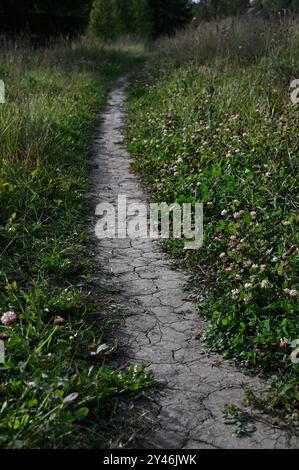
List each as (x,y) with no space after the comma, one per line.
(248,285)
(295,356)
(8,318)
(222,255)
(290,292)
(253,215)
(238,215)
(283,343)
(255,266)
(235,293)
(224,212)
(265,283)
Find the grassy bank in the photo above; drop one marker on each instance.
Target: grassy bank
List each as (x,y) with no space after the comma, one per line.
(211,120)
(55,390)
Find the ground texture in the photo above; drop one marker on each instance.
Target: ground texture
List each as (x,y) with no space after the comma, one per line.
(161,327)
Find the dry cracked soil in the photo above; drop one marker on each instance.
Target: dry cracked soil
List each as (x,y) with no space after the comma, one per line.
(161,328)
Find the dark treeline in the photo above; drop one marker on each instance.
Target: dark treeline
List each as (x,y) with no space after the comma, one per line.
(149,18)
(44,17)
(108,19)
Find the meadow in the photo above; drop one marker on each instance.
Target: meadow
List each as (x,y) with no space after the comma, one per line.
(211,120)
(56,390)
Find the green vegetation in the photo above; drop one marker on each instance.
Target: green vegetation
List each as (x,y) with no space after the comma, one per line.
(143,18)
(57,389)
(211,120)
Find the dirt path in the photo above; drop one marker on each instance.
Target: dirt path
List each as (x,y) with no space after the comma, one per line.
(161,327)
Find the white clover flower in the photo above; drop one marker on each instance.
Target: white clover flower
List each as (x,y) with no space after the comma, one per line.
(8,318)
(284,342)
(248,285)
(224,212)
(222,255)
(235,293)
(295,356)
(238,215)
(265,283)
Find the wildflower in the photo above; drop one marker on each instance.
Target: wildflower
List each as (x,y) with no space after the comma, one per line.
(290,292)
(229,269)
(222,255)
(247,264)
(295,356)
(224,212)
(263,267)
(253,215)
(235,293)
(283,343)
(8,318)
(238,277)
(59,321)
(254,266)
(238,215)
(246,300)
(233,238)
(257,346)
(265,283)
(248,285)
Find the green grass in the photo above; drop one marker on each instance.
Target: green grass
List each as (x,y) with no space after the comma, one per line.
(53,391)
(211,120)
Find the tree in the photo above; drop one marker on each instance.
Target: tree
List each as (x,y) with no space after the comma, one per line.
(102,22)
(169,15)
(139,17)
(44,17)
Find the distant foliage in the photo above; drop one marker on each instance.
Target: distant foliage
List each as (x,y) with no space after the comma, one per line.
(273,6)
(44,17)
(212,9)
(109,18)
(169,15)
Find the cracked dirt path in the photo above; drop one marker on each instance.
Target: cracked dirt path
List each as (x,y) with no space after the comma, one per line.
(161,327)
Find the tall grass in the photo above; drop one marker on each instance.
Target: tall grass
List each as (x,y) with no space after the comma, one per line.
(211,119)
(53,391)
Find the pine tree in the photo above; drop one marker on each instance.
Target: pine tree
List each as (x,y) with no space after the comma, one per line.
(102,22)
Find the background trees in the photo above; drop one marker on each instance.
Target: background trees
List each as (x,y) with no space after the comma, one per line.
(139,17)
(44,17)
